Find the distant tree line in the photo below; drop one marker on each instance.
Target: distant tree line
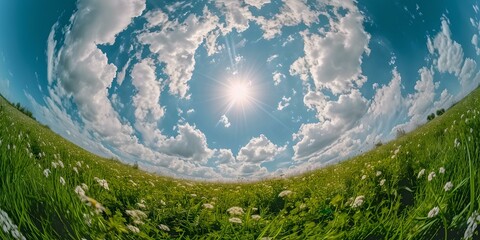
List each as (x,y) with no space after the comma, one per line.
(20,108)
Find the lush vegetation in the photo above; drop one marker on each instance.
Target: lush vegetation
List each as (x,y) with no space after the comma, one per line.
(424,185)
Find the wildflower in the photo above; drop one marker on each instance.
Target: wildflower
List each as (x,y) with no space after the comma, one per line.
(420,174)
(448,186)
(358,201)
(60,163)
(164,227)
(235,211)
(79,190)
(193,195)
(456,143)
(364,177)
(441,170)
(256,217)
(79,164)
(94,203)
(133,228)
(431,176)
(284,193)
(434,212)
(103,183)
(472,225)
(382,182)
(84,186)
(162,202)
(207,206)
(62,181)
(9,227)
(471,130)
(54,164)
(235,220)
(141,205)
(75,170)
(136,215)
(46,172)
(378,173)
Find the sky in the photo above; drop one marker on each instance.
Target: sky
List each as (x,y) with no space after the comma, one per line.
(228,90)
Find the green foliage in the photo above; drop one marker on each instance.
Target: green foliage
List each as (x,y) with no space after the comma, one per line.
(440,112)
(381,194)
(431,117)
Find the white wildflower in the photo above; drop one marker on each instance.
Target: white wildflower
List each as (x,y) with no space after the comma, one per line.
(434,212)
(141,205)
(382,182)
(448,186)
(256,217)
(54,164)
(103,183)
(46,172)
(193,195)
(133,228)
(441,170)
(84,186)
(364,177)
(94,203)
(207,206)
(79,190)
(235,211)
(378,173)
(75,170)
(60,163)
(136,215)
(431,176)
(62,181)
(164,227)
(235,220)
(284,193)
(472,223)
(420,174)
(79,164)
(9,227)
(358,201)
(456,143)
(162,202)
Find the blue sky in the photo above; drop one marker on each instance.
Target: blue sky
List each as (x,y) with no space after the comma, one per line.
(240,88)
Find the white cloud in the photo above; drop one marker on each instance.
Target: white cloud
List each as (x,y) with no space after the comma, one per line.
(334,60)
(450,53)
(257,3)
(467,72)
(237,15)
(258,150)
(284,103)
(121,75)
(224,120)
(156,18)
(277,77)
(291,13)
(51,45)
(271,58)
(146,100)
(476,43)
(175,45)
(423,99)
(190,144)
(336,118)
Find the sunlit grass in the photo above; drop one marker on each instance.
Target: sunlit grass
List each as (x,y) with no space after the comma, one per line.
(423,185)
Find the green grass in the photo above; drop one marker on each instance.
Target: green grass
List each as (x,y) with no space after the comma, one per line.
(319,207)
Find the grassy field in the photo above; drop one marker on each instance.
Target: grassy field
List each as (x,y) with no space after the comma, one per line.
(424,185)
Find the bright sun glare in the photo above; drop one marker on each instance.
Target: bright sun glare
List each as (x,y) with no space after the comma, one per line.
(240,92)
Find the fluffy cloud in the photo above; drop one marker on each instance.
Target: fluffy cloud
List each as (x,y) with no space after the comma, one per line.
(189,144)
(175,45)
(284,103)
(337,117)
(450,53)
(422,100)
(146,100)
(277,78)
(334,60)
(237,15)
(259,150)
(224,121)
(257,3)
(291,13)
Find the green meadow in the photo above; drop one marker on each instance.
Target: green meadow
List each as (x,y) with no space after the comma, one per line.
(423,185)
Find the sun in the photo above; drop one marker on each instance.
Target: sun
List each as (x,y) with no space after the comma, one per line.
(240,92)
